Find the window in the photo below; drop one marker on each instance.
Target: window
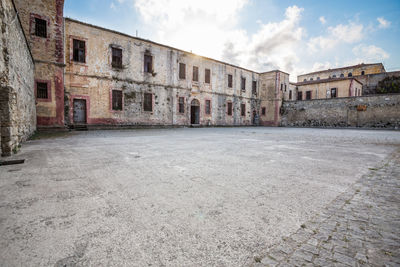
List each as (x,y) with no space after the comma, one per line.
(333,93)
(285,87)
(208,107)
(290,94)
(148,63)
(148,102)
(195,74)
(182,71)
(299,95)
(229,80)
(304,80)
(41,90)
(181,105)
(349,74)
(254,87)
(334,76)
(281,86)
(79,51)
(116,100)
(243,84)
(116,57)
(207,76)
(363,73)
(311,79)
(308,95)
(229,108)
(41,28)
(341,75)
(263,111)
(318,78)
(243,109)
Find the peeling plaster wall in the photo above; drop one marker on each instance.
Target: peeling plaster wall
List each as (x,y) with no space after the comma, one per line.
(17,101)
(379,111)
(96,78)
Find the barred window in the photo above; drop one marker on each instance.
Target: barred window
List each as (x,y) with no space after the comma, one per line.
(116,99)
(254,87)
(263,111)
(148,102)
(41,90)
(208,107)
(40,27)
(243,109)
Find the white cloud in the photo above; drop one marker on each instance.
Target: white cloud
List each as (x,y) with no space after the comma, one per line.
(369,53)
(383,24)
(210,28)
(349,33)
(322,19)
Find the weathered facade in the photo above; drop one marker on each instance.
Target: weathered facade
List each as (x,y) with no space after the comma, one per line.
(42,22)
(17,99)
(378,111)
(158,85)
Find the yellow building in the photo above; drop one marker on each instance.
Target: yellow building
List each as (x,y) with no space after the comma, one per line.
(350,71)
(327,88)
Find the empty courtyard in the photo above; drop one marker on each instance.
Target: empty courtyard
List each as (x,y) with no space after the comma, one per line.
(175,197)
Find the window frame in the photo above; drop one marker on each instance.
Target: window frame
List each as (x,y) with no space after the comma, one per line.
(48,86)
(117,65)
(243,109)
(290,94)
(73,39)
(243,84)
(147,56)
(207,112)
(300,95)
(230,81)
(144,102)
(309,95)
(336,92)
(229,107)
(181,71)
(263,111)
(112,100)
(181,105)
(195,74)
(207,76)
(37,33)
(254,87)
(32,26)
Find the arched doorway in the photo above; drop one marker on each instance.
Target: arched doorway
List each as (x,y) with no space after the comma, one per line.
(195,112)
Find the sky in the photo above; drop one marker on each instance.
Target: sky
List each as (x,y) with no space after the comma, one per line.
(262,35)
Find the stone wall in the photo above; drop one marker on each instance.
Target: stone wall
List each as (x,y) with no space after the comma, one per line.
(17,98)
(378,111)
(370,82)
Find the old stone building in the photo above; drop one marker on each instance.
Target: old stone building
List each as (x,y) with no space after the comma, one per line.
(17,99)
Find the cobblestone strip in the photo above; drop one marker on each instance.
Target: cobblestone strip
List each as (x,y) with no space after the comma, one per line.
(361,227)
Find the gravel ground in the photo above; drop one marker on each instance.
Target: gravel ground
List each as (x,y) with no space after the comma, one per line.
(177,197)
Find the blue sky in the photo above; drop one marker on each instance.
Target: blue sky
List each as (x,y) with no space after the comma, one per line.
(294,36)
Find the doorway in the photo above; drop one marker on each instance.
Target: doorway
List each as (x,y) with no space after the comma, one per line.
(195,112)
(79,111)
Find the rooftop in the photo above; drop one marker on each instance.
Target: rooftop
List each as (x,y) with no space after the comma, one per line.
(326,81)
(342,68)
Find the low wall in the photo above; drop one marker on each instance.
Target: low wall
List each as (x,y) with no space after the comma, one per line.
(17,98)
(377,111)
